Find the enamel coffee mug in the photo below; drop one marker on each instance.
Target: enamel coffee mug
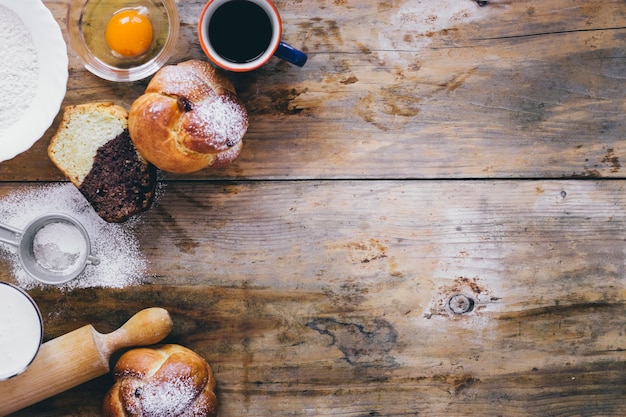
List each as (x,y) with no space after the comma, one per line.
(242,35)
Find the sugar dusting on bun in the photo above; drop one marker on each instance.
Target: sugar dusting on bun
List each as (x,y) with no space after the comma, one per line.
(189,118)
(167,380)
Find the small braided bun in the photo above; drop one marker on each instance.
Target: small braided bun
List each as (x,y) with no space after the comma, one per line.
(162,381)
(188,118)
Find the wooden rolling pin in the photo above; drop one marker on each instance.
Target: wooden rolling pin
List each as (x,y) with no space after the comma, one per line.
(78,357)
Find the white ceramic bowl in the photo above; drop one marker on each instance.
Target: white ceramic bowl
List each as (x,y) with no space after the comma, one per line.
(21,328)
(87,20)
(50,86)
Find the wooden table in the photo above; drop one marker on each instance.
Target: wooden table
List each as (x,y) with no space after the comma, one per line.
(427,151)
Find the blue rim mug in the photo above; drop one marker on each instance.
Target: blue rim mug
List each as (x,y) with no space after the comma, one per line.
(242,35)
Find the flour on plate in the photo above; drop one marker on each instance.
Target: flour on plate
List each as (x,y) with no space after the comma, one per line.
(19,68)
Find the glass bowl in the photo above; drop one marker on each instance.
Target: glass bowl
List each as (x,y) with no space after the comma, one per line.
(87,21)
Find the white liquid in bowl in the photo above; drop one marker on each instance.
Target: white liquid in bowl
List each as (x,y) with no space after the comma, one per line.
(21,331)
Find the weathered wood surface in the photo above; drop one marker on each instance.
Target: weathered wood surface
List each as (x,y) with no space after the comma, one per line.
(418,89)
(332,299)
(427,149)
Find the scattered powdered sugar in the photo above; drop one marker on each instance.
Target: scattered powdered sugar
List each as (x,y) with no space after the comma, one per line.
(58,246)
(19,68)
(418,19)
(115,245)
(170,398)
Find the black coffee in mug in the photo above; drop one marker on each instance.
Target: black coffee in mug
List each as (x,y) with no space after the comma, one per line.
(240,31)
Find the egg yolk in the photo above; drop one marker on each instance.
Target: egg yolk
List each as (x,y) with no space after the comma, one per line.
(128,33)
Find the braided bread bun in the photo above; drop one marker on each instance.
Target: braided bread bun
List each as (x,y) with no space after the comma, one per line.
(166,380)
(189,118)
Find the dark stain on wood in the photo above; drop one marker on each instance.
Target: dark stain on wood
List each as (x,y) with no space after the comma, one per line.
(564,328)
(365,50)
(612,159)
(350,80)
(358,345)
(385,5)
(588,173)
(458,80)
(367,252)
(460,383)
(390,101)
(348,298)
(322,33)
(187,246)
(560,310)
(282,100)
(440,33)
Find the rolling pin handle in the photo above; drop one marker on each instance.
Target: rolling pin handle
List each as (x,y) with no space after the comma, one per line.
(147,327)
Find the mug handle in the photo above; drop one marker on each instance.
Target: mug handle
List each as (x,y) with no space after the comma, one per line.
(290,54)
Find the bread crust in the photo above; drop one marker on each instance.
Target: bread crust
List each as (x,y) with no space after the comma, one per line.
(64,152)
(166,380)
(189,118)
(92,147)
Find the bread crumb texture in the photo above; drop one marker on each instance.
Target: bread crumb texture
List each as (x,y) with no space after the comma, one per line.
(84,129)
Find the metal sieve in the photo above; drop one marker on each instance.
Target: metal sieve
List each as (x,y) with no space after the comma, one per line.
(24,242)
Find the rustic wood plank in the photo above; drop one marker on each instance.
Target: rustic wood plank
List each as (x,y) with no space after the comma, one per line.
(405,89)
(331,297)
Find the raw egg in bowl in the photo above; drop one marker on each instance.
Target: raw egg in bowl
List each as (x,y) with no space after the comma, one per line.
(123,40)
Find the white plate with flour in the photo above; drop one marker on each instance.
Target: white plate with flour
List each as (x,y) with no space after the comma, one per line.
(33,74)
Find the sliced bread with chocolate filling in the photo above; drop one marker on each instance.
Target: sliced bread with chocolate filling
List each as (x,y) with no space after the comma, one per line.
(93,149)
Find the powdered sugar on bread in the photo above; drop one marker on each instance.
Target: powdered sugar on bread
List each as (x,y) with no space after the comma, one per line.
(217,124)
(188,119)
(161,381)
(169,398)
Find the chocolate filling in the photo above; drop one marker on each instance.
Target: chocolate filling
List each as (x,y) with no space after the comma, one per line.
(119,184)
